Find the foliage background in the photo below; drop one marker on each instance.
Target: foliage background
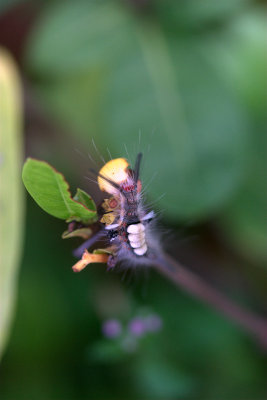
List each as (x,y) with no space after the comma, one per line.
(190,77)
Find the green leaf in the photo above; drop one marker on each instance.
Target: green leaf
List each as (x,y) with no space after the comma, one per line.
(193,15)
(157,379)
(82,197)
(11,190)
(244,220)
(51,192)
(102,251)
(108,351)
(115,73)
(84,233)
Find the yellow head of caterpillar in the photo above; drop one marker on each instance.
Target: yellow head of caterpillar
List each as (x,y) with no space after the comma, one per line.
(115,170)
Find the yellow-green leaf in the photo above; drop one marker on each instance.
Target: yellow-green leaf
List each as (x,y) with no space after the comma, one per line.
(11,192)
(84,233)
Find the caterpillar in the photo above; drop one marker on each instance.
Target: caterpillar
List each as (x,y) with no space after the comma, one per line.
(123,219)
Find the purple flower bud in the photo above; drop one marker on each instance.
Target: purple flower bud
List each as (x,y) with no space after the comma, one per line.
(111,328)
(153,323)
(137,327)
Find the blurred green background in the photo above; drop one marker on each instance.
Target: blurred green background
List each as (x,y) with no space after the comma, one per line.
(190,76)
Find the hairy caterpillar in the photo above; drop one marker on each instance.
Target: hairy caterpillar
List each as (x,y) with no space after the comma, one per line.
(123,219)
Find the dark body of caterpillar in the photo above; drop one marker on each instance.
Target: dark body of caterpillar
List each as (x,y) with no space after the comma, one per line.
(128,228)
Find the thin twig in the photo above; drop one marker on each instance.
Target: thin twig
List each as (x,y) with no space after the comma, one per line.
(88,243)
(181,276)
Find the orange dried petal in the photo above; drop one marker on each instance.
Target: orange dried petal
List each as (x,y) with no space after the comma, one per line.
(89,258)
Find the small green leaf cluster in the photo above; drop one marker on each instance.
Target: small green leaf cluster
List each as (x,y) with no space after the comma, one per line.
(51,191)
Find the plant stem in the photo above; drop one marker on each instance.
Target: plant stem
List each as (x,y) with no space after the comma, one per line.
(181,276)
